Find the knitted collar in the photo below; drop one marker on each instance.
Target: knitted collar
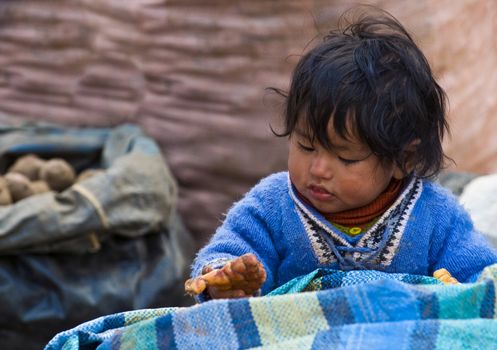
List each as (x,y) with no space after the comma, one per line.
(377,246)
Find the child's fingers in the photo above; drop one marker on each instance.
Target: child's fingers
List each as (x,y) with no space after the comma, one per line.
(252,265)
(248,265)
(262,273)
(238,266)
(233,275)
(243,268)
(256,273)
(244,274)
(195,286)
(207,269)
(254,277)
(217,277)
(444,276)
(249,259)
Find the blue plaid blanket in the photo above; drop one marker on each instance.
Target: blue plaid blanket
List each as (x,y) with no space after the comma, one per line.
(326,309)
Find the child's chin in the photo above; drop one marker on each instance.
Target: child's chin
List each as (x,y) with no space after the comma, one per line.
(328,209)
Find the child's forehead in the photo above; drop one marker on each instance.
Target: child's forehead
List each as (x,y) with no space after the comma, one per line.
(335,141)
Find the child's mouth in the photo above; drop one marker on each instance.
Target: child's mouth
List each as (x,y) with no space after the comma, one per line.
(319,193)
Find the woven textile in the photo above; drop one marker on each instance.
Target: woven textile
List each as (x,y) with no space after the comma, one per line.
(326,309)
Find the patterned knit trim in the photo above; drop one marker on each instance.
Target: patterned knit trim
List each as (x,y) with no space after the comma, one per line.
(311,216)
(392,223)
(387,214)
(319,246)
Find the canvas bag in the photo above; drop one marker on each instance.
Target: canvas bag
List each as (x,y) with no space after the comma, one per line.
(111,243)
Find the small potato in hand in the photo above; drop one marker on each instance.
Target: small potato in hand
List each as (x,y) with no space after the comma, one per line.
(241,277)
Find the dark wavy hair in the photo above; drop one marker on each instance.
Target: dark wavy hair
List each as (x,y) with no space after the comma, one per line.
(370,74)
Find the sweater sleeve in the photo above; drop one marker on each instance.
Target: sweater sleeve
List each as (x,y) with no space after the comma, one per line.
(464,252)
(246,229)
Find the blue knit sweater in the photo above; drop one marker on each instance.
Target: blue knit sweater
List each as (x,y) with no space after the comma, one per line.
(424,230)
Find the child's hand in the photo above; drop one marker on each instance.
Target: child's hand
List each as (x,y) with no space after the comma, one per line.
(241,277)
(444,276)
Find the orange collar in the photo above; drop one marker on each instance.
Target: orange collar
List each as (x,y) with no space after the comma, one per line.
(367,213)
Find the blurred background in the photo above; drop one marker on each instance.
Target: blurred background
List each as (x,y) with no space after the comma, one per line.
(193,75)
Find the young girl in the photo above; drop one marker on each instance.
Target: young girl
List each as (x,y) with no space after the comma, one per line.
(365,119)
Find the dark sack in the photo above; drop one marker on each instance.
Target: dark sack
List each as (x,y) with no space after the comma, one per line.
(111,243)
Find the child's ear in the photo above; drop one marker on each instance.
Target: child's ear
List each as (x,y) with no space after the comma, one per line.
(409,160)
(398,174)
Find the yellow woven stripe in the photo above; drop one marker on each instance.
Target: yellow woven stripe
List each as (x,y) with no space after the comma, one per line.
(281,318)
(303,343)
(136,316)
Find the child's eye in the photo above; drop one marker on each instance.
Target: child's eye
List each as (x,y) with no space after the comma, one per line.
(348,161)
(305,148)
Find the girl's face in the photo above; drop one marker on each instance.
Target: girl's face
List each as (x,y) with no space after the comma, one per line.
(347,177)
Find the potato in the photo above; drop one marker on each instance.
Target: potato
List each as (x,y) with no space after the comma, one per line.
(5,197)
(19,186)
(40,187)
(58,174)
(85,174)
(28,165)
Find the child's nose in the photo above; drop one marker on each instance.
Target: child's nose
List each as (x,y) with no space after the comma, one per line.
(320,167)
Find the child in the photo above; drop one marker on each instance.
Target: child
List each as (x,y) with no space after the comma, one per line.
(365,119)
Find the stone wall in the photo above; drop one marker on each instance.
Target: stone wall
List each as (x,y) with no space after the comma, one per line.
(193,74)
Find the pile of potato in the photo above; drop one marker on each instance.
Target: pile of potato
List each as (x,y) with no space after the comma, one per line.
(31,175)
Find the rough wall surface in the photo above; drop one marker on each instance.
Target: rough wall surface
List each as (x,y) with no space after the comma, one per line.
(193,74)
